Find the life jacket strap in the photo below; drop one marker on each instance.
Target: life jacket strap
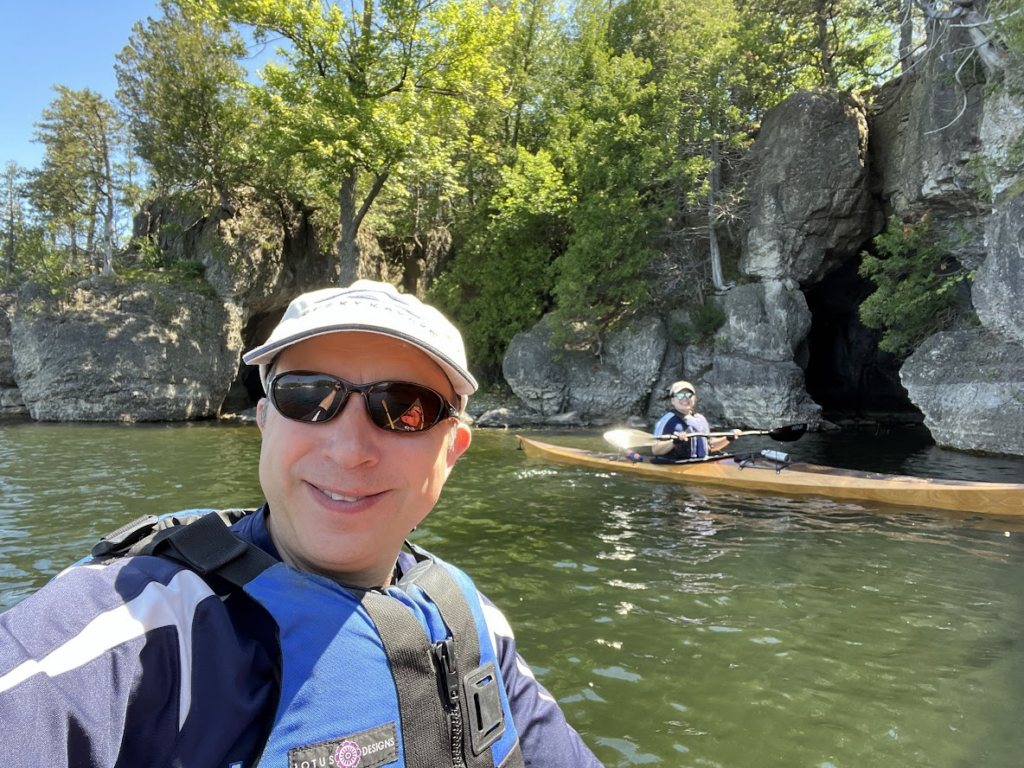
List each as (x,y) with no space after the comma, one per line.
(207,546)
(409,653)
(480,699)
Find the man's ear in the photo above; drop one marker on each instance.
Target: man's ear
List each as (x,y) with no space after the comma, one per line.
(458,442)
(261,413)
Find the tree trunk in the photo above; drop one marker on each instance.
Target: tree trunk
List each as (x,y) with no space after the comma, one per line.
(906,36)
(350,220)
(9,245)
(824,49)
(73,234)
(714,182)
(89,258)
(108,216)
(348,246)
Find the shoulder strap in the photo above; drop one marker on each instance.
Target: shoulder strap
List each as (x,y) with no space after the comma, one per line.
(207,546)
(200,540)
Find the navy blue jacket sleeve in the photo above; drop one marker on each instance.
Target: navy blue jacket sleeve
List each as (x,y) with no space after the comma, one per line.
(127,665)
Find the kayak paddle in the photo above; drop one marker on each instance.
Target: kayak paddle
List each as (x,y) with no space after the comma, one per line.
(634,438)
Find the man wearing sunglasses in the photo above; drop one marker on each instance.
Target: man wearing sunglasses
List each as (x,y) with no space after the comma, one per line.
(307,633)
(686,427)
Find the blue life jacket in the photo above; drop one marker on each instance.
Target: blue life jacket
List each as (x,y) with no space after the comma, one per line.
(694,448)
(403,676)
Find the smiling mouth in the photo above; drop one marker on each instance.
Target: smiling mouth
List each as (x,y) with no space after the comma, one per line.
(340,497)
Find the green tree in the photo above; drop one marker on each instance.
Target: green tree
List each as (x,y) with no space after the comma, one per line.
(78,183)
(182,88)
(13,192)
(499,282)
(915,286)
(619,162)
(370,94)
(842,44)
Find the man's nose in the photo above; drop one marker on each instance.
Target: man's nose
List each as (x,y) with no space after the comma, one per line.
(352,439)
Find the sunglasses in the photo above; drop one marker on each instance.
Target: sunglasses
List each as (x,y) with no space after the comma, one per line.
(394,406)
(683,395)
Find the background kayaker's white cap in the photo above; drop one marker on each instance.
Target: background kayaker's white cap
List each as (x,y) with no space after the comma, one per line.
(370,307)
(682,386)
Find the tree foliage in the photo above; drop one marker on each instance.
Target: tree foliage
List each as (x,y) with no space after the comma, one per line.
(500,281)
(182,88)
(377,93)
(916,282)
(568,149)
(86,185)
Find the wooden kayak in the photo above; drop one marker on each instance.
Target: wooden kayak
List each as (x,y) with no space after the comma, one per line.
(765,475)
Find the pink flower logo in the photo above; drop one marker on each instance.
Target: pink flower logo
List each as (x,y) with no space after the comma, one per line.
(347,754)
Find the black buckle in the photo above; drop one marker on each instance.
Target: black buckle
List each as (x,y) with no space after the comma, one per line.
(486,716)
(125,536)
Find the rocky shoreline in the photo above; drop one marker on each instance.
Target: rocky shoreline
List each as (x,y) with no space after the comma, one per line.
(826,172)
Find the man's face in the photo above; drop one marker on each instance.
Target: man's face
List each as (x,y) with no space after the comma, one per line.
(684,401)
(344,494)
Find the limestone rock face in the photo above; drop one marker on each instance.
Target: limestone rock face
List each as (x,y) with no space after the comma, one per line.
(810,205)
(925,148)
(258,256)
(608,386)
(11,403)
(755,379)
(129,353)
(970,387)
(923,137)
(999,283)
(532,372)
(761,395)
(768,320)
(1000,128)
(618,381)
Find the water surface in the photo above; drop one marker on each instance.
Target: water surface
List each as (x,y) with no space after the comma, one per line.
(677,626)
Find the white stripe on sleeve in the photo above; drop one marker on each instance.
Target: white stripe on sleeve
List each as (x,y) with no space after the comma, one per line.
(156,606)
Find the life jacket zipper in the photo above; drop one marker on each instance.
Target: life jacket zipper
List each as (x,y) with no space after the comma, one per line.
(444,654)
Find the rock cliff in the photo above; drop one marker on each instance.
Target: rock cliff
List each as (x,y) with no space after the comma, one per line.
(825,176)
(822,176)
(11,402)
(125,352)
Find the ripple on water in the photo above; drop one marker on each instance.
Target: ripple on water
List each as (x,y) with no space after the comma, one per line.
(619,674)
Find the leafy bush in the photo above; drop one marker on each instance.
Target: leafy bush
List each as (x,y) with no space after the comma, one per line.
(704,322)
(189,269)
(707,319)
(914,296)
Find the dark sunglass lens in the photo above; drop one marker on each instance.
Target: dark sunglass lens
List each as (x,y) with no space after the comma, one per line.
(306,397)
(400,407)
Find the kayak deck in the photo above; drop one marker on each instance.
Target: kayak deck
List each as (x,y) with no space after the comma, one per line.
(760,474)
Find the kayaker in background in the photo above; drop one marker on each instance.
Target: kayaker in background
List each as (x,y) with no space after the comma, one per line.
(681,421)
(304,634)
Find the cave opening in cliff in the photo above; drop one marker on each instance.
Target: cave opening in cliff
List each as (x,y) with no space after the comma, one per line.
(246,390)
(847,375)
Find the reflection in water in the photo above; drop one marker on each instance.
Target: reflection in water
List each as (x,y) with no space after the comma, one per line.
(677,626)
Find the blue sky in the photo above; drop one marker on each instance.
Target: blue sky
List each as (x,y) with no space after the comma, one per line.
(49,42)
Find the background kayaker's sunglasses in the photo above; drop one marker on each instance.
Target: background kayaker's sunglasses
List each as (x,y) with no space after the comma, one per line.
(685,395)
(394,406)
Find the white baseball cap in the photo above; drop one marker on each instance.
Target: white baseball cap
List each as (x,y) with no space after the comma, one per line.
(370,307)
(682,386)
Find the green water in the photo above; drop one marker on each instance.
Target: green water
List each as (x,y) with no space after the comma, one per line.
(676,627)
